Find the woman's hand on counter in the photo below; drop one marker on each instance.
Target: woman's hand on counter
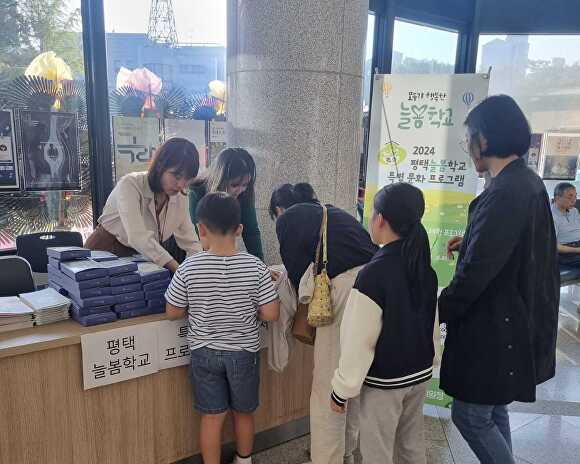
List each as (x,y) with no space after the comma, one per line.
(172,266)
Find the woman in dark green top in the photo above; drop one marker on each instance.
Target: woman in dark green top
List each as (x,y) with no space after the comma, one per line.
(234,172)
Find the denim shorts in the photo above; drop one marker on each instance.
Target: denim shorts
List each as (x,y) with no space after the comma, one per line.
(224,380)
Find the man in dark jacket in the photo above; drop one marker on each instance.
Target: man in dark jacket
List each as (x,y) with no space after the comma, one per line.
(501,308)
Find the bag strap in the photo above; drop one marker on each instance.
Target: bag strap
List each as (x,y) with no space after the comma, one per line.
(324,237)
(322,242)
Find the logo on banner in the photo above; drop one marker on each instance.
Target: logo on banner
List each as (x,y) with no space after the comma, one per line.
(392,153)
(468,98)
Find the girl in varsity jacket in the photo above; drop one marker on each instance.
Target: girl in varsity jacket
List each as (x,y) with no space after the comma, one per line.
(387,332)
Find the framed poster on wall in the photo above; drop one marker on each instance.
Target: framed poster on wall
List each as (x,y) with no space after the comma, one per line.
(9,176)
(559,156)
(50,150)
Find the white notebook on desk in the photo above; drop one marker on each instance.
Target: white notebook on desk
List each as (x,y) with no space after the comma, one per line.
(12,306)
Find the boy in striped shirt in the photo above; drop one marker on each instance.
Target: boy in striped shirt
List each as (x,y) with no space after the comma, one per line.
(225,294)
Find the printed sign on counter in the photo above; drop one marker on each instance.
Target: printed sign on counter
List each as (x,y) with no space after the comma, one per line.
(173,346)
(120,354)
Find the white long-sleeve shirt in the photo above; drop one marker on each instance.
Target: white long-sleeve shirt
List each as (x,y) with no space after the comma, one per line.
(129,215)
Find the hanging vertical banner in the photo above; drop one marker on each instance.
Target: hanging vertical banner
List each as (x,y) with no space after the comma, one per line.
(50,150)
(135,141)
(9,178)
(192,130)
(417,136)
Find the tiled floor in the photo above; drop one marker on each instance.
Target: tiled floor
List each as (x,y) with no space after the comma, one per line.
(546,432)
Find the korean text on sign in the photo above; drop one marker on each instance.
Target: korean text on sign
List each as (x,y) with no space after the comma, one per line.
(173,345)
(119,354)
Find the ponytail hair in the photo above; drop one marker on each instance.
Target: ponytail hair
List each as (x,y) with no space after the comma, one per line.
(402,205)
(289,195)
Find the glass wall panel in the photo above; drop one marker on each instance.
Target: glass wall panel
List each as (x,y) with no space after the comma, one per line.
(44,153)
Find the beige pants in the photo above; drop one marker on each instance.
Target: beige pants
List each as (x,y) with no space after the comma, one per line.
(334,436)
(392,425)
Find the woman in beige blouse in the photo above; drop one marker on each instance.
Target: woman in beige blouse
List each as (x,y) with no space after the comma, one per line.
(145,209)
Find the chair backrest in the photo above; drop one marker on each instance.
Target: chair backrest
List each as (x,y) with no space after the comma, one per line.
(15,276)
(33,247)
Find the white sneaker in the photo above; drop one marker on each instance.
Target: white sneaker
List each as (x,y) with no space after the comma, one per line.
(239,460)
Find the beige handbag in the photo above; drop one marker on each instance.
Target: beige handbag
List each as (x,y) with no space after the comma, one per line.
(320,311)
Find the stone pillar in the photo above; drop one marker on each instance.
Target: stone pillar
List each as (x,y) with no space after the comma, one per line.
(295,76)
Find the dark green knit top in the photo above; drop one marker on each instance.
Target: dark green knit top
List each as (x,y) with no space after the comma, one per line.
(251,232)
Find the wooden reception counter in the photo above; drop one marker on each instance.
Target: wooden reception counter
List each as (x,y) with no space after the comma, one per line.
(46,416)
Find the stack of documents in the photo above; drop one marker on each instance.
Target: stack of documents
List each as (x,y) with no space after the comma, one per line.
(48,305)
(14,314)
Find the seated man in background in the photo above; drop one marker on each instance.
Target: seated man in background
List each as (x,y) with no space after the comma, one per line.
(567,223)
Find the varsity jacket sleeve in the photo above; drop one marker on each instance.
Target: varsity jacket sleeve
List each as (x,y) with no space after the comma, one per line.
(360,329)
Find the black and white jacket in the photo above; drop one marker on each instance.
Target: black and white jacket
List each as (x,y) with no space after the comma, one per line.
(386,335)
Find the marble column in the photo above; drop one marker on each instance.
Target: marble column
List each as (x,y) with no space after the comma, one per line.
(295,76)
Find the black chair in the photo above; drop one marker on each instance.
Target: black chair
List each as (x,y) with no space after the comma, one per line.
(15,276)
(32,247)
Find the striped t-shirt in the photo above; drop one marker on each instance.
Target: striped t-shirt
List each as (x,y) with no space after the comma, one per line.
(223,294)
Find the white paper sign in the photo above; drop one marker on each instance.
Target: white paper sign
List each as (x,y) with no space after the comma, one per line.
(119,354)
(192,130)
(135,141)
(217,131)
(189,129)
(173,346)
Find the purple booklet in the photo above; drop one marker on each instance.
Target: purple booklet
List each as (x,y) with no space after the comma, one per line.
(54,262)
(130,288)
(109,300)
(156,302)
(119,266)
(83,270)
(64,280)
(133,313)
(128,297)
(125,279)
(68,253)
(151,272)
(157,310)
(75,309)
(158,285)
(71,287)
(139,304)
(155,295)
(95,319)
(101,256)
(88,292)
